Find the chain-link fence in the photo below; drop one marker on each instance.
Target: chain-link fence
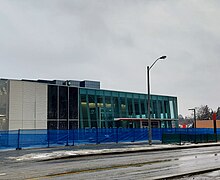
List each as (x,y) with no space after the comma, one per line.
(21,138)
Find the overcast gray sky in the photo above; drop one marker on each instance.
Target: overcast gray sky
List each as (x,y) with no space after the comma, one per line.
(113,41)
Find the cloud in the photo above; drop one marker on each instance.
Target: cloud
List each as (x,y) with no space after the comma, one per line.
(114,41)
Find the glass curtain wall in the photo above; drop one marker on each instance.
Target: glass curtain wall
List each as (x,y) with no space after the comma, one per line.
(62,107)
(90,108)
(73,108)
(99,108)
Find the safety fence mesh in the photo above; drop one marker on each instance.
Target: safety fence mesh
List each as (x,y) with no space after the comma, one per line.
(190,135)
(21,138)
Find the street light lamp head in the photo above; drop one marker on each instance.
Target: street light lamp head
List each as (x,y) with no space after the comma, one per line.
(163,57)
(160,58)
(191,109)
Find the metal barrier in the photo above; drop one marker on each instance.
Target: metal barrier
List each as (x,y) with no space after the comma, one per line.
(18,139)
(189,135)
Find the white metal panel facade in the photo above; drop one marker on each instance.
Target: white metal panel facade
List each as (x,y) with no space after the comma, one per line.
(27,105)
(41,106)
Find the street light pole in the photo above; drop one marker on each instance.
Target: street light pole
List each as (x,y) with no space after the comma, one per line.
(194,114)
(148,104)
(148,107)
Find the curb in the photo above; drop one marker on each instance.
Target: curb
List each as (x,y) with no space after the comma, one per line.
(132,151)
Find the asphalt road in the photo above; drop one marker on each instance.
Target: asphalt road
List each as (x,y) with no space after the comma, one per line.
(213,175)
(145,165)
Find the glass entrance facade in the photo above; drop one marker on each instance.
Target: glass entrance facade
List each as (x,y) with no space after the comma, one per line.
(73,107)
(100,108)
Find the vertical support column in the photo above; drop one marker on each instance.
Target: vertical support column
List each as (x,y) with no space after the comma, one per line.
(149,118)
(104,108)
(68,107)
(58,107)
(68,112)
(88,111)
(97,111)
(126,105)
(113,110)
(80,114)
(215,130)
(79,107)
(133,107)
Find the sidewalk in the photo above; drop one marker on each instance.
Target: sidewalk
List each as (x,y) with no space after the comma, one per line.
(90,150)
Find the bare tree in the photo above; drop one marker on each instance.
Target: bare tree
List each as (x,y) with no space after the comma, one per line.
(204,112)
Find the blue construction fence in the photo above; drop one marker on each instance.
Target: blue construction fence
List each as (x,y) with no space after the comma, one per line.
(18,139)
(190,135)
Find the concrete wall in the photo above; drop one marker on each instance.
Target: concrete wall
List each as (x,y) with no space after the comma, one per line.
(27,105)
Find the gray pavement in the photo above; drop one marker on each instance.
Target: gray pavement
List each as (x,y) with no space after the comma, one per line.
(92,149)
(32,161)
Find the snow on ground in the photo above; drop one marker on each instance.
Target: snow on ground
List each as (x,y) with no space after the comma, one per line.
(66,153)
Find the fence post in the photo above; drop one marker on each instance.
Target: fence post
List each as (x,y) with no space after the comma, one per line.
(18,144)
(207,137)
(48,138)
(187,132)
(117,135)
(215,132)
(73,138)
(67,140)
(97,136)
(195,136)
(133,132)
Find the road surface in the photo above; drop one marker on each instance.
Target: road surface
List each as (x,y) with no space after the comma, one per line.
(145,165)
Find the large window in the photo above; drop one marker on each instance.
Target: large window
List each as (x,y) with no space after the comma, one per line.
(166,109)
(116,104)
(143,109)
(84,111)
(59,106)
(108,110)
(52,102)
(63,102)
(73,103)
(160,109)
(137,107)
(92,107)
(155,110)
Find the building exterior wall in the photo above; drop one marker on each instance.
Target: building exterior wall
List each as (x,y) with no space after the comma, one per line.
(204,124)
(3,105)
(31,104)
(74,107)
(207,124)
(27,105)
